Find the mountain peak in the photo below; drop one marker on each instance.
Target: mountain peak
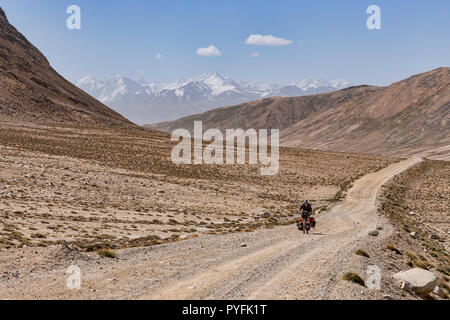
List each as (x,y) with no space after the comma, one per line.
(218,75)
(87,79)
(206,76)
(321,83)
(117,77)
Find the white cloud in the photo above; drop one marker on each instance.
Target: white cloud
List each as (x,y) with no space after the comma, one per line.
(158,56)
(269,40)
(255,55)
(210,51)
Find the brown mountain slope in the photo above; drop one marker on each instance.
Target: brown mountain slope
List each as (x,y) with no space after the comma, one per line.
(408,117)
(31,89)
(278,113)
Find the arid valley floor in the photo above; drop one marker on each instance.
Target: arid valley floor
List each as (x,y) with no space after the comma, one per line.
(202,231)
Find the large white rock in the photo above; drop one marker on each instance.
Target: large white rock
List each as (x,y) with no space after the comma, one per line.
(420,281)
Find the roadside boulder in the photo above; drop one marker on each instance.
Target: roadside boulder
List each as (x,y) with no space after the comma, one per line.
(420,281)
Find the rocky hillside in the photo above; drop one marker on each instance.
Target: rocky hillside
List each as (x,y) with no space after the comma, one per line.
(31,89)
(407,117)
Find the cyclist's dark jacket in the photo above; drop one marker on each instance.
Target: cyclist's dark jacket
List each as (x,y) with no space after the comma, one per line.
(306,207)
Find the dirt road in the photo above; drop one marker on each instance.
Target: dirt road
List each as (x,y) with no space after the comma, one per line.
(276,270)
(279,263)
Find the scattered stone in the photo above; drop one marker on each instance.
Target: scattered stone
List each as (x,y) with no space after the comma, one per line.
(134,237)
(420,281)
(243,245)
(374,233)
(413,234)
(438,291)
(434,237)
(405,286)
(387,297)
(412,213)
(265,214)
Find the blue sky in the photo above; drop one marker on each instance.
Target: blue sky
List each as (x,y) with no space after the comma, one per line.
(330,38)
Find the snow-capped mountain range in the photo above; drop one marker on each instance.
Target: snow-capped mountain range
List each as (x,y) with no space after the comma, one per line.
(145,103)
